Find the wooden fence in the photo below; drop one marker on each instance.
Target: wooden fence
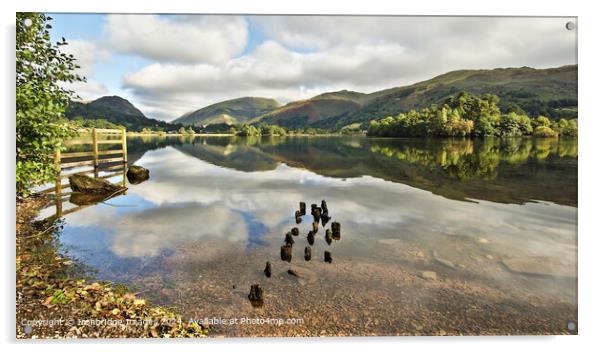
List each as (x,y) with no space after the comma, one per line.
(110,162)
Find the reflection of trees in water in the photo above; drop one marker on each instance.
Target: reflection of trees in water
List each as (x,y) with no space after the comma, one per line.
(513,170)
(466,159)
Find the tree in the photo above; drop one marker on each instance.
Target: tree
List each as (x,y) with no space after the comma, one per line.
(41,68)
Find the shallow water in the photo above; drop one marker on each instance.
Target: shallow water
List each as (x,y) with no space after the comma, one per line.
(198,233)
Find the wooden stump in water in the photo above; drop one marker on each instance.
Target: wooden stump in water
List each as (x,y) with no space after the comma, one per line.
(311,238)
(288,239)
(295,231)
(302,208)
(315,227)
(324,207)
(336,229)
(268,269)
(256,296)
(317,214)
(325,219)
(286,252)
(328,236)
(298,217)
(307,253)
(327,257)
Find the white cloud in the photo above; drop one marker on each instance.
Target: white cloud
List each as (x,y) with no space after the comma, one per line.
(182,38)
(86,54)
(197,60)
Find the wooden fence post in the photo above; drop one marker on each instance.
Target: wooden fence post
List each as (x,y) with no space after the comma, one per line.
(95,151)
(58,184)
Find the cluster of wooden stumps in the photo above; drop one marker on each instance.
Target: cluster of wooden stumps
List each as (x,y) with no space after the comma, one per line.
(320,215)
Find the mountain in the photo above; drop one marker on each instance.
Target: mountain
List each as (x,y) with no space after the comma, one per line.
(551,92)
(116,110)
(307,112)
(231,112)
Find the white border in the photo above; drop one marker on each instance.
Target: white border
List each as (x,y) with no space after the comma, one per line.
(590,244)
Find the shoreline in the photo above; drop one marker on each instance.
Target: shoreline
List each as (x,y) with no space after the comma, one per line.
(55,301)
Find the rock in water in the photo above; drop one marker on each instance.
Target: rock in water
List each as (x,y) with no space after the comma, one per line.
(311,238)
(85,184)
(293,272)
(429,275)
(328,236)
(327,257)
(295,231)
(89,198)
(286,252)
(268,269)
(302,208)
(288,238)
(137,174)
(256,296)
(307,253)
(324,207)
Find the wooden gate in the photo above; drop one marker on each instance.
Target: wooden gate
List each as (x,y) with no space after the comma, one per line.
(101,162)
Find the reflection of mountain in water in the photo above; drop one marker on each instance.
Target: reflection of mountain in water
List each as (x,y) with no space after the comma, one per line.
(507,171)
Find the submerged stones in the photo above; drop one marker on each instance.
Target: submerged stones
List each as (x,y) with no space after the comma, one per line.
(286,252)
(307,253)
(256,296)
(137,174)
(327,257)
(268,269)
(429,275)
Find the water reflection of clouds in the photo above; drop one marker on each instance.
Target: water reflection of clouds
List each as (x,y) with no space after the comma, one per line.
(189,200)
(366,206)
(146,233)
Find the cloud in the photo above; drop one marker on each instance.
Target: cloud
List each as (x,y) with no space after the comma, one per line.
(302,56)
(179,38)
(86,53)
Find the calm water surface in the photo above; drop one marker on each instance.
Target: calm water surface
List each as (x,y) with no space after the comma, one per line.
(198,233)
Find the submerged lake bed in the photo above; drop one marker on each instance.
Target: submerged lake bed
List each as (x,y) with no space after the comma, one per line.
(438,236)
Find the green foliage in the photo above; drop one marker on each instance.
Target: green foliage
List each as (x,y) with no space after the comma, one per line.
(80,122)
(40,100)
(544,131)
(466,115)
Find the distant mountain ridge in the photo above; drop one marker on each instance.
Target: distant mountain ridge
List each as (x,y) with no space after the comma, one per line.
(116,110)
(234,111)
(550,92)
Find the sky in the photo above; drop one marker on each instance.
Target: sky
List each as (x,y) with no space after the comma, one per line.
(167,65)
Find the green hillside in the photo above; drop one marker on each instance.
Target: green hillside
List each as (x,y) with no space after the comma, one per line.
(231,112)
(309,112)
(116,110)
(550,92)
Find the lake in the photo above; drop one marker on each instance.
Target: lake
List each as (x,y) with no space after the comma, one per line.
(438,236)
